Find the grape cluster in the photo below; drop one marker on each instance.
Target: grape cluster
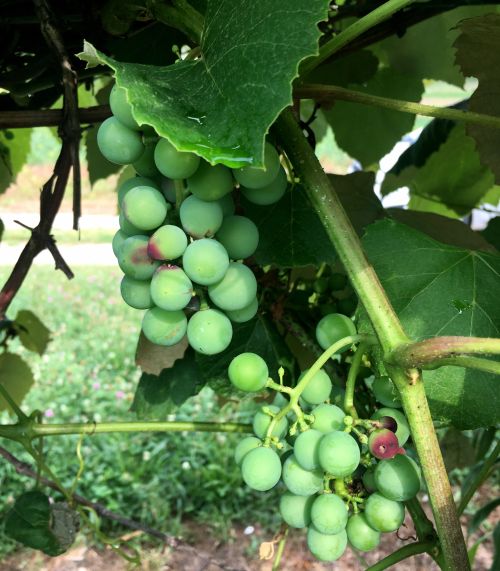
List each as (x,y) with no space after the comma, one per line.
(344,479)
(184,261)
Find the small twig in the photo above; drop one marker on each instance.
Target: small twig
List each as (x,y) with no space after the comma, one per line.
(50,117)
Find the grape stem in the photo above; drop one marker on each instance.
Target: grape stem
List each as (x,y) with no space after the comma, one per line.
(349,407)
(342,491)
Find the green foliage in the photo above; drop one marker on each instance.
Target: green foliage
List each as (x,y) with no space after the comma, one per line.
(14,149)
(32,333)
(15,377)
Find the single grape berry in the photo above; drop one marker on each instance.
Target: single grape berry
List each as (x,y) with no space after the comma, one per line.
(174,164)
(118,143)
(339,454)
(327,417)
(244,446)
(306,449)
(239,235)
(145,207)
(329,514)
(133,258)
(383,514)
(117,242)
(296,510)
(261,469)
(210,183)
(136,293)
(171,289)
(394,420)
(164,327)
(245,313)
(318,388)
(360,534)
(326,547)
(130,183)
(383,444)
(262,421)
(269,194)
(209,332)
(205,261)
(332,328)
(385,392)
(300,481)
(199,218)
(248,372)
(145,165)
(121,108)
(167,243)
(398,479)
(368,479)
(253,177)
(236,289)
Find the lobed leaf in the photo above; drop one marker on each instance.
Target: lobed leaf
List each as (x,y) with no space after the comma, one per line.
(16,377)
(32,333)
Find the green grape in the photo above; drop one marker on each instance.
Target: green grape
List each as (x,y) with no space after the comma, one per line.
(337,282)
(360,534)
(209,332)
(164,327)
(329,514)
(369,480)
(171,289)
(167,243)
(167,186)
(199,218)
(127,228)
(239,236)
(227,204)
(145,207)
(117,242)
(402,427)
(136,293)
(385,392)
(306,449)
(253,177)
(347,306)
(236,290)
(205,261)
(339,454)
(210,182)
(262,421)
(318,388)
(245,313)
(327,417)
(173,163)
(326,547)
(248,372)
(133,258)
(244,446)
(296,510)
(269,194)
(337,396)
(333,328)
(383,514)
(130,183)
(261,469)
(121,108)
(119,144)
(299,481)
(145,165)
(398,478)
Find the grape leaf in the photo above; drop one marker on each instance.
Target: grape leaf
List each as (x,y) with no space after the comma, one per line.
(157,396)
(492,232)
(496,540)
(285,232)
(153,358)
(221,105)
(457,450)
(14,149)
(351,68)
(482,514)
(16,377)
(478,54)
(31,331)
(438,289)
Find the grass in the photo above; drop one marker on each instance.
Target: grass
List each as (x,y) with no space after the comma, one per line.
(88,373)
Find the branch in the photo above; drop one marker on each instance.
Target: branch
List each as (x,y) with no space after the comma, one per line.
(332,93)
(25,470)
(50,117)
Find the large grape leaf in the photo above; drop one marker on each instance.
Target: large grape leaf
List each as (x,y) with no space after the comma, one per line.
(437,289)
(478,54)
(221,105)
(14,149)
(32,333)
(16,377)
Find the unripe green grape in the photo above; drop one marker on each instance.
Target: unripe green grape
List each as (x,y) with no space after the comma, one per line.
(269,194)
(130,183)
(173,163)
(327,417)
(385,392)
(326,547)
(253,177)
(318,388)
(333,328)
(245,313)
(199,218)
(133,258)
(145,165)
(244,446)
(136,293)
(337,281)
(167,187)
(205,261)
(262,421)
(306,449)
(296,510)
(398,478)
(171,289)
(339,454)
(210,183)
(236,290)
(299,481)
(127,227)
(329,514)
(248,372)
(227,204)
(167,243)
(383,514)
(239,235)
(164,327)
(360,534)
(369,480)
(209,332)
(121,108)
(261,469)
(402,426)
(119,144)
(145,207)
(117,242)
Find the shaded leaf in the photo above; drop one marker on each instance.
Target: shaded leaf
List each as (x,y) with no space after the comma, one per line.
(219,106)
(14,149)
(16,377)
(354,68)
(457,450)
(495,566)
(153,358)
(492,232)
(482,514)
(438,289)
(157,396)
(32,333)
